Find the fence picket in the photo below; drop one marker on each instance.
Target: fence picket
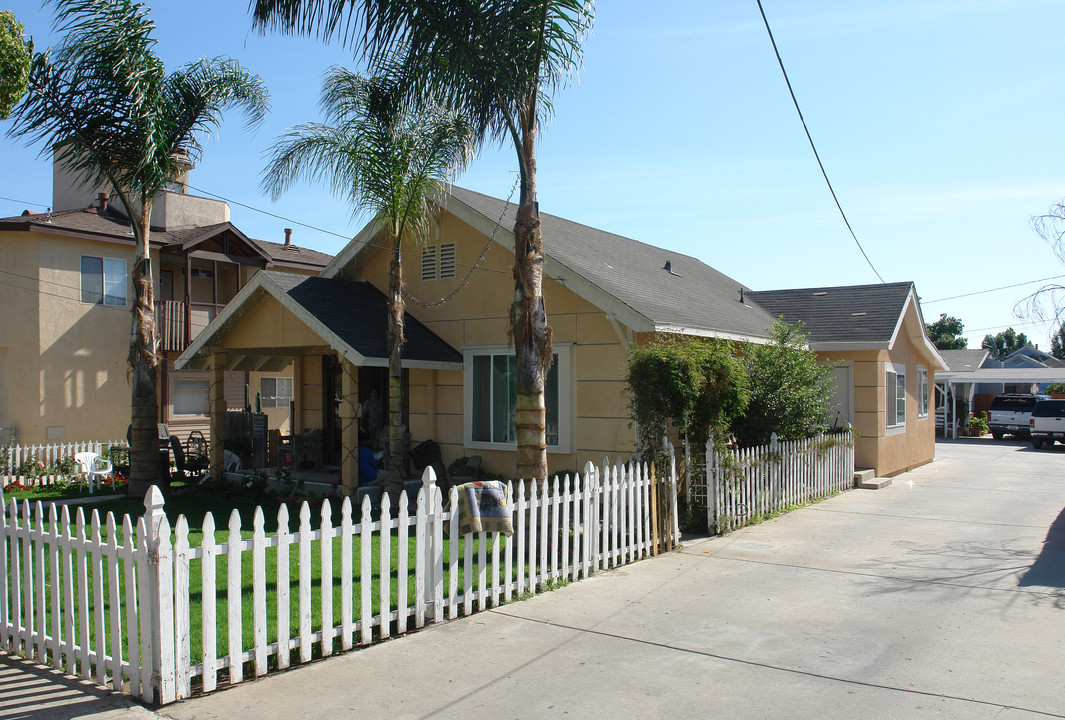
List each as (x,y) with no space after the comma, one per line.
(325,557)
(284,588)
(304,607)
(347,539)
(144,613)
(563,536)
(520,534)
(419,560)
(113,590)
(534,572)
(402,569)
(97,600)
(234,600)
(208,612)
(182,610)
(258,589)
(385,565)
(365,573)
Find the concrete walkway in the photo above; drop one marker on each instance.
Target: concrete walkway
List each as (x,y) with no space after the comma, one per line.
(942,596)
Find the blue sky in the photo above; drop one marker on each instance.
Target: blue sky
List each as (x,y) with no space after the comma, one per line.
(939,123)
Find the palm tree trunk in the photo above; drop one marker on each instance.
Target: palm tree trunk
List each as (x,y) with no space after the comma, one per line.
(395,338)
(144,452)
(528,323)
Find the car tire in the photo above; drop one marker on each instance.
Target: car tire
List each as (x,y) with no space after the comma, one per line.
(997,435)
(1037,443)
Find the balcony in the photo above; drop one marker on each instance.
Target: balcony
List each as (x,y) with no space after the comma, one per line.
(170,321)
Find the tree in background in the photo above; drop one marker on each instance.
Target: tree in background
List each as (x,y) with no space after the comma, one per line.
(1005,343)
(946,333)
(496,62)
(390,159)
(16,57)
(1057,342)
(790,391)
(103,102)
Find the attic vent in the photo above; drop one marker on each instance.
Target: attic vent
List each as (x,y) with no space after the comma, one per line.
(668,267)
(858,314)
(820,293)
(429,262)
(447,260)
(291,249)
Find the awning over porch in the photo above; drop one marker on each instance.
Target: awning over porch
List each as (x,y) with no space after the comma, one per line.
(279,316)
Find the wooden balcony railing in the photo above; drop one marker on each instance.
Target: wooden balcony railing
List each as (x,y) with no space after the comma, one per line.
(170,322)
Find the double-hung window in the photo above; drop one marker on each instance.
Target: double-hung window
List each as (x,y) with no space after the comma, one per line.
(491,376)
(191,395)
(103,281)
(275,392)
(895,388)
(922,392)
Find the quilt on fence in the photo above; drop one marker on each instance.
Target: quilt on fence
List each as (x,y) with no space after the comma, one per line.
(483,508)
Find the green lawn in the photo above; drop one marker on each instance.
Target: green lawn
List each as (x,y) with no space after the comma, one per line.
(195,507)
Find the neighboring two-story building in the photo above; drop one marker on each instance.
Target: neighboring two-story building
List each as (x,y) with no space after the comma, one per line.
(65,298)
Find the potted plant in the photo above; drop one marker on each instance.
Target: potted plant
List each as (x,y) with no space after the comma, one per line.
(978,425)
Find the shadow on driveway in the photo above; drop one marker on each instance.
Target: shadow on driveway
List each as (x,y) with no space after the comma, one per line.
(1048,570)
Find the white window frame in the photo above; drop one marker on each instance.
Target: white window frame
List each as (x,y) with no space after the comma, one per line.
(280,399)
(566,391)
(198,378)
(894,377)
(119,279)
(922,392)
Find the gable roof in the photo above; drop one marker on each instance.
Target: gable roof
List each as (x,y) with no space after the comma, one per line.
(852,313)
(352,317)
(965,360)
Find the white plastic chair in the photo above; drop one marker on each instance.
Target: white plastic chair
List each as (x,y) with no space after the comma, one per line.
(92,465)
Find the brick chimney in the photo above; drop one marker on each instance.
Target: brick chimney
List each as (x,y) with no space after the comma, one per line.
(288,236)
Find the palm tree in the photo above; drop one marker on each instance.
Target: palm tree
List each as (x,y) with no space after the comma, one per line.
(383,157)
(113,115)
(497,62)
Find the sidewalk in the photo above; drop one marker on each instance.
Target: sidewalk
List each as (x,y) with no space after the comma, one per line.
(28,690)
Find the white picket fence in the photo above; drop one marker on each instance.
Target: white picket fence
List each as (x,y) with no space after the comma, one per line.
(116,607)
(15,456)
(744,485)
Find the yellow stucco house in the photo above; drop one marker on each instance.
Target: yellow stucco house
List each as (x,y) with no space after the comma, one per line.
(602,292)
(65,305)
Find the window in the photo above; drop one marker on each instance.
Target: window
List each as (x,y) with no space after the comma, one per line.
(895,387)
(103,281)
(191,396)
(275,392)
(438,261)
(922,392)
(491,376)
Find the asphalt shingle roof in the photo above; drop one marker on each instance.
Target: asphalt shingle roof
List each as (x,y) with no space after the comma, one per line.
(357,313)
(692,296)
(112,225)
(963,360)
(852,313)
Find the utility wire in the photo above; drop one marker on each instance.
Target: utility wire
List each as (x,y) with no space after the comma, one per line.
(410,253)
(1004,287)
(25,202)
(812,146)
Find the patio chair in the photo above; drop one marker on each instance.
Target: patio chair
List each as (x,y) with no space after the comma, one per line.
(92,465)
(189,470)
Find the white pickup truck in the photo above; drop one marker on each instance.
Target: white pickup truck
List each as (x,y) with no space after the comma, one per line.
(1047,423)
(1009,414)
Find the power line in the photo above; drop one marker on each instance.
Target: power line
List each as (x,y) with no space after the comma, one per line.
(1004,287)
(812,146)
(25,202)
(348,238)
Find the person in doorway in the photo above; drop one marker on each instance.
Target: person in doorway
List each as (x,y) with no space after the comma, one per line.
(371,415)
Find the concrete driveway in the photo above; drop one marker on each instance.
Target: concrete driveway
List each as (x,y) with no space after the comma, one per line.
(941,596)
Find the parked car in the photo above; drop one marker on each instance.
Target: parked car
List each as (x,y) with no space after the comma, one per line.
(1009,414)
(1047,423)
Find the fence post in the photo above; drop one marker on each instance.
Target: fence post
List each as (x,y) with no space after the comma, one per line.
(711,487)
(433,547)
(161,596)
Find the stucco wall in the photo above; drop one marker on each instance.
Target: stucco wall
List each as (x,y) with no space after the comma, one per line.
(63,361)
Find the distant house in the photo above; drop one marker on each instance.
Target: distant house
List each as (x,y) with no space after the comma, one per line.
(65,303)
(602,292)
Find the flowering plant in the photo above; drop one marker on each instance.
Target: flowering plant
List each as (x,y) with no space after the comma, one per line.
(14,486)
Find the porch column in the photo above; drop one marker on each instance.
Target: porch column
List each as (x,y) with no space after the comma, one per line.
(349,427)
(216,364)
